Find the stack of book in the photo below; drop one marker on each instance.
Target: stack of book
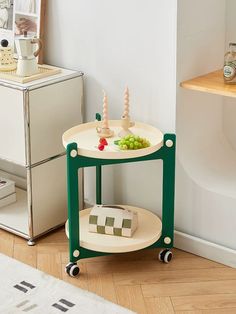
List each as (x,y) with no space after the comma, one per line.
(7,192)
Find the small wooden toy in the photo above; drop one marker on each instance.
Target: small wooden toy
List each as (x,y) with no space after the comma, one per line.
(113,220)
(125,120)
(105,131)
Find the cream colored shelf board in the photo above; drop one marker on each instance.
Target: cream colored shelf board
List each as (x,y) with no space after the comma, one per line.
(212,83)
(86,137)
(147,233)
(15,215)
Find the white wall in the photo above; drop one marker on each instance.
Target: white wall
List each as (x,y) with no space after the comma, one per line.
(133,42)
(230,22)
(119,43)
(206,167)
(229,109)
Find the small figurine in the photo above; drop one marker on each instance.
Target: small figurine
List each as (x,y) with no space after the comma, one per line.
(105,131)
(7,62)
(125,120)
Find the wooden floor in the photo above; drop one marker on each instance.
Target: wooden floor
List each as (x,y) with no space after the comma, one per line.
(188,285)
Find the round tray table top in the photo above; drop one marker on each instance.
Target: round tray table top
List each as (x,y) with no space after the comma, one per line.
(85,135)
(148,232)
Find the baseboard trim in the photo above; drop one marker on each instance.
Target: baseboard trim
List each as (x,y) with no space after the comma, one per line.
(205,249)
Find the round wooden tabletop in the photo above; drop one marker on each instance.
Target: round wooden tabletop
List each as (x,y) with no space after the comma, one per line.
(85,135)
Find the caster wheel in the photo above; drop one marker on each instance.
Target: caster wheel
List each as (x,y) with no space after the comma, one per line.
(165,256)
(72,269)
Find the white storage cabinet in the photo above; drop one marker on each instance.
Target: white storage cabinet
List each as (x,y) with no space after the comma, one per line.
(33,117)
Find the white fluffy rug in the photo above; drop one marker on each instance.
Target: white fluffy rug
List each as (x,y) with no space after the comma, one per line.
(24,289)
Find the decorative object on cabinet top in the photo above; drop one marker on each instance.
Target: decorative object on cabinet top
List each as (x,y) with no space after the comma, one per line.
(7,62)
(18,16)
(27,64)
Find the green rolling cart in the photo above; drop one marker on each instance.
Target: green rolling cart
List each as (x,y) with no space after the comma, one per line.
(81,147)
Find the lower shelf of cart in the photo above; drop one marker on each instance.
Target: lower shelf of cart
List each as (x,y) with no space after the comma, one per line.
(147,233)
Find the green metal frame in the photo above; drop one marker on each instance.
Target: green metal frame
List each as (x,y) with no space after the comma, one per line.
(74,163)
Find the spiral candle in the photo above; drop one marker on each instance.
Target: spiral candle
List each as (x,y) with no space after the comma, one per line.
(126,103)
(105,111)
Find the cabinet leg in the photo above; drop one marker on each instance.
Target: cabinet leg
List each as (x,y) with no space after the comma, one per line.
(31,242)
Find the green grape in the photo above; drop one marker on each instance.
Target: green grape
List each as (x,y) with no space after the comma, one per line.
(131,142)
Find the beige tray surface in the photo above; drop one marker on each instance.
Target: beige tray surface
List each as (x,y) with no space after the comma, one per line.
(44,71)
(85,135)
(147,233)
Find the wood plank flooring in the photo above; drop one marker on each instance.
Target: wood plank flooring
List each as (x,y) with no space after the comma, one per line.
(188,285)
